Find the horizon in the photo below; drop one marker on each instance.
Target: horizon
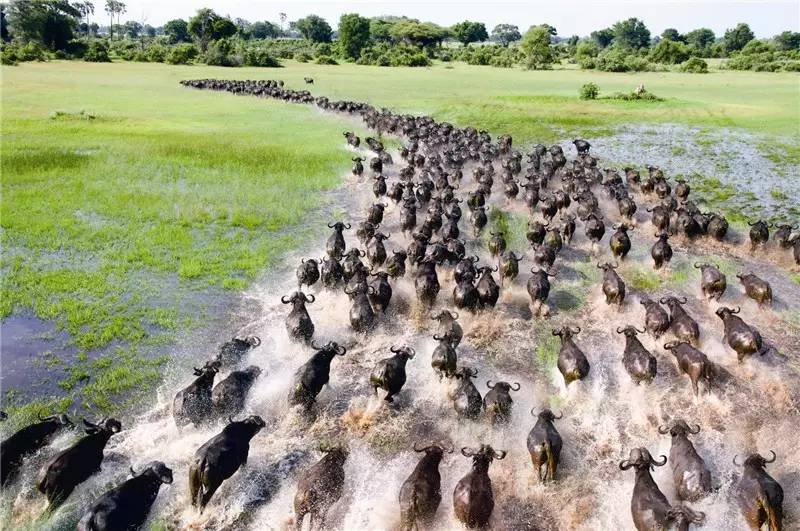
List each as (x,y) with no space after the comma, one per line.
(765,18)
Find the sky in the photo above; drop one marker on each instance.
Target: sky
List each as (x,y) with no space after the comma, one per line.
(570,17)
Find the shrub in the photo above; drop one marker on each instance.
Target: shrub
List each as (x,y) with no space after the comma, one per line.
(302,57)
(589,91)
(791,66)
(258,56)
(222,53)
(97,52)
(156,53)
(182,54)
(669,52)
(15,52)
(638,94)
(695,65)
(325,60)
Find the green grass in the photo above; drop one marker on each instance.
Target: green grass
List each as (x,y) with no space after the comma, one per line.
(134,208)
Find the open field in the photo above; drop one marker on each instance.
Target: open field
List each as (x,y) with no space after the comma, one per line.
(132,224)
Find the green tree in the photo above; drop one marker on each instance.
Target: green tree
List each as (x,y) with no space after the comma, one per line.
(353,34)
(537,49)
(314,28)
(265,30)
(505,34)
(49,22)
(669,52)
(4,33)
(701,38)
(736,38)
(671,34)
(586,50)
(425,34)
(603,37)
(467,32)
(86,9)
(114,7)
(149,31)
(132,29)
(631,33)
(788,40)
(177,30)
(381,29)
(207,26)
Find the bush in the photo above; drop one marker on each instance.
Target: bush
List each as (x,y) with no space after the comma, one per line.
(182,54)
(325,60)
(638,94)
(15,52)
(382,54)
(791,66)
(222,53)
(589,91)
(617,59)
(258,56)
(669,52)
(695,65)
(302,57)
(156,53)
(97,52)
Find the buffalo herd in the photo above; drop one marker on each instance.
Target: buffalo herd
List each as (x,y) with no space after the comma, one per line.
(434,181)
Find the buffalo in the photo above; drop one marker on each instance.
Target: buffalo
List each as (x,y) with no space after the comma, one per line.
(640,364)
(71,467)
(27,441)
(544,445)
(759,496)
(756,288)
(620,242)
(229,395)
(307,273)
(538,286)
(759,234)
(497,402)
(313,375)
(613,286)
(572,362)
(488,290)
(362,316)
(298,323)
(689,472)
(382,292)
(712,282)
(448,325)
(692,363)
(127,506)
(473,498)
(466,398)
(661,251)
(656,318)
(649,507)
(220,457)
(234,350)
(192,404)
(331,272)
(389,374)
(421,492)
(396,264)
(320,487)
(444,358)
(426,283)
(740,336)
(336,245)
(681,323)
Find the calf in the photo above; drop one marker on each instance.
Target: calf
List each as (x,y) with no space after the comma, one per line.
(127,506)
(298,323)
(613,286)
(689,472)
(229,395)
(28,441)
(320,487)
(544,445)
(760,497)
(389,374)
(71,467)
(421,492)
(692,363)
(640,364)
(756,288)
(681,324)
(649,507)
(497,402)
(220,457)
(192,404)
(572,361)
(313,375)
(741,337)
(712,282)
(473,498)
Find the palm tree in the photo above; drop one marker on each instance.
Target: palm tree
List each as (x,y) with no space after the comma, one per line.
(283,18)
(114,7)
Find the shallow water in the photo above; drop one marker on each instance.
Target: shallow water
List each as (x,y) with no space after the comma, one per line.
(605,415)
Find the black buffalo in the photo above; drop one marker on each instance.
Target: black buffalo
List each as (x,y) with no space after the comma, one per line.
(28,441)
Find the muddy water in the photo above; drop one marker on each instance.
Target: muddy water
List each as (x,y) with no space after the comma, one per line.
(755,408)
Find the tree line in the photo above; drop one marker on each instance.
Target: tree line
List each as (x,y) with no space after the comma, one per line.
(38,29)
